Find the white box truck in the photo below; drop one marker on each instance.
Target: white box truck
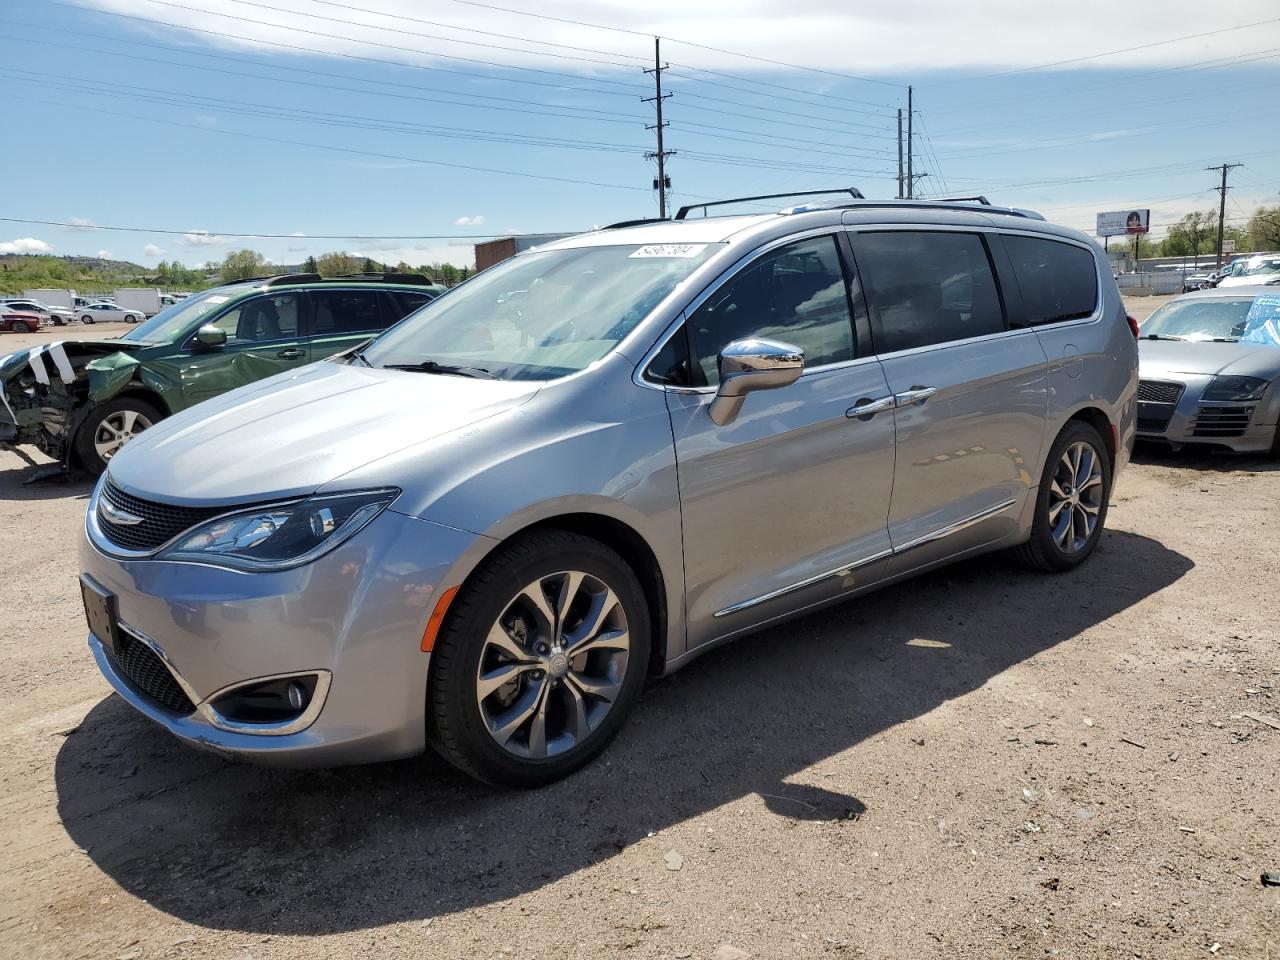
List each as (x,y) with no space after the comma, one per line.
(146,299)
(53,297)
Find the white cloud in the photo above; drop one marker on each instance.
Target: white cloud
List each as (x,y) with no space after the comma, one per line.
(201,238)
(297,233)
(151,250)
(476,221)
(851,39)
(106,255)
(25,245)
(82,223)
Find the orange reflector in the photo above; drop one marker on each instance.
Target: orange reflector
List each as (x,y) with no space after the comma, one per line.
(437,618)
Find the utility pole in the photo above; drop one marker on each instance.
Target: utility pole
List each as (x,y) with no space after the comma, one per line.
(662,183)
(1224,168)
(899,153)
(911,183)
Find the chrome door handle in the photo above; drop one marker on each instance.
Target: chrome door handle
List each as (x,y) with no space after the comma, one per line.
(915,396)
(292,353)
(866,408)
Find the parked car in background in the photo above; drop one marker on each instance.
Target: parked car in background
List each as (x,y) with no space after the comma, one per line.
(105,312)
(58,316)
(203,346)
(1205,280)
(597,460)
(19,321)
(1248,271)
(1210,366)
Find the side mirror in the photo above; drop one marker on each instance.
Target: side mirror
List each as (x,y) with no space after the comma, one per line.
(211,337)
(749,365)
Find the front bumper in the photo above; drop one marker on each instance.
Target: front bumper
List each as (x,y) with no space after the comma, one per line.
(356,614)
(1241,426)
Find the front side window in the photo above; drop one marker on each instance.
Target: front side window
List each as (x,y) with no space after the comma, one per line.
(795,294)
(1057,280)
(261,319)
(925,287)
(543,314)
(345,311)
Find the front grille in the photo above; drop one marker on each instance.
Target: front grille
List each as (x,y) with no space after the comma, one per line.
(161,522)
(1159,391)
(1222,422)
(1153,424)
(146,673)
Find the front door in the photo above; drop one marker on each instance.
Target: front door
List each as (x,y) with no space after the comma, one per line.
(786,505)
(263,339)
(971,393)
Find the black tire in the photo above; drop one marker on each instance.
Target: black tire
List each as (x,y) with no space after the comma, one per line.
(22,326)
(1042,551)
(83,445)
(456,727)
(86,318)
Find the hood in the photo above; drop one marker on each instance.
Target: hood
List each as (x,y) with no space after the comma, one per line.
(290,434)
(49,356)
(1254,281)
(1161,359)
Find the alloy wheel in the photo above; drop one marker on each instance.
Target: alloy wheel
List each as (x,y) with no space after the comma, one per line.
(1075,497)
(553,665)
(117,429)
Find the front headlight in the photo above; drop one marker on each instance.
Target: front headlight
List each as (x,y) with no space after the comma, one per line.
(1235,388)
(281,536)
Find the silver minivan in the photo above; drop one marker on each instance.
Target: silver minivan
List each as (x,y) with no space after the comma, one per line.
(594,462)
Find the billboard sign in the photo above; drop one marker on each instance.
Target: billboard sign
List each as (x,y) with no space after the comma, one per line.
(1120,222)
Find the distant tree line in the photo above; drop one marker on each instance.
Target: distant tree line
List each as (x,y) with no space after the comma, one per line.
(1196,235)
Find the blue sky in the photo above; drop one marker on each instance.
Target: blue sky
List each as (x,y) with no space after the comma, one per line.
(398,118)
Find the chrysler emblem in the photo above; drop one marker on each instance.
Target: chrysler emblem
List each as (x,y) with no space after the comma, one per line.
(113,514)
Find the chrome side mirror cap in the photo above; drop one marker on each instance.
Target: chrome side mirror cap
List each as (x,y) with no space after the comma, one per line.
(750,365)
(211,336)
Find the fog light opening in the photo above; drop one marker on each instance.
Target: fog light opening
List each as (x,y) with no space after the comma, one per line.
(269,701)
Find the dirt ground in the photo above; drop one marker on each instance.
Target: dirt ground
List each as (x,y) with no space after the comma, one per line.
(981,763)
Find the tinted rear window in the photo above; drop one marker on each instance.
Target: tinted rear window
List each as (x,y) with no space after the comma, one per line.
(1058,280)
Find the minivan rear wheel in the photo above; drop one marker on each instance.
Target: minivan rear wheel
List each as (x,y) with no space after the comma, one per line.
(540,659)
(1071,505)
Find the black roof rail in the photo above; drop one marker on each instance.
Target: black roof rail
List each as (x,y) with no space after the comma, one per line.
(959,203)
(978,199)
(273,280)
(415,279)
(683,212)
(634,223)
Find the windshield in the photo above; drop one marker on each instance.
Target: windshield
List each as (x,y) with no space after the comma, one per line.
(1256,267)
(1217,318)
(173,321)
(542,315)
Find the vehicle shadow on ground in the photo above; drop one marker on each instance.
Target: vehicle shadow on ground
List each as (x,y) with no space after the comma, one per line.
(233,846)
(18,480)
(1209,461)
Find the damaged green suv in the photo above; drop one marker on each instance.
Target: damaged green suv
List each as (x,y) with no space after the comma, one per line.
(79,401)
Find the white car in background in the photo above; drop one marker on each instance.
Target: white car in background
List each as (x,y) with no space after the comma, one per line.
(58,316)
(1249,271)
(105,312)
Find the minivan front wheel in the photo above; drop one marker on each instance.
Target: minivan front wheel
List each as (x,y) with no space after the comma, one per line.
(541,658)
(1071,504)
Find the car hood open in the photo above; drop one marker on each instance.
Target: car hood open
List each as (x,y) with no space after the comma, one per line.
(1160,359)
(290,434)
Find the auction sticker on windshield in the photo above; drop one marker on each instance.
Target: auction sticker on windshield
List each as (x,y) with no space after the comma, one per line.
(1262,325)
(670,250)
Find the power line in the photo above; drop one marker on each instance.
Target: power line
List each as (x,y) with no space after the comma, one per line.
(331,147)
(688,43)
(255,236)
(1112,53)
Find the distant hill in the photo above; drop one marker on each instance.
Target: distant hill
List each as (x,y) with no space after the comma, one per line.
(19,271)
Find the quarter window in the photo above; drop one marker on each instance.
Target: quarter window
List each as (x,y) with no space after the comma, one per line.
(924,288)
(1058,280)
(795,294)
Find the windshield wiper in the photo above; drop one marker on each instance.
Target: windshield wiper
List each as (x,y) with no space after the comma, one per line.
(1158,336)
(433,366)
(1226,339)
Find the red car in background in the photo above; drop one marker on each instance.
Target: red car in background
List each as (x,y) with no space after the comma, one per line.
(22,322)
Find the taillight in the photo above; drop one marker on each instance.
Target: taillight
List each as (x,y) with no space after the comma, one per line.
(1133,324)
